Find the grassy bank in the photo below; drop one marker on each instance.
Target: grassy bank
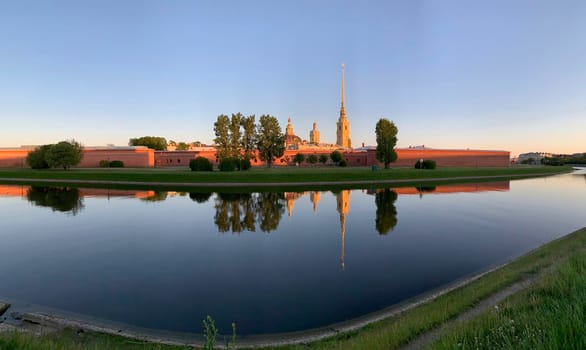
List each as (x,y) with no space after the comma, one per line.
(260,176)
(561,292)
(548,315)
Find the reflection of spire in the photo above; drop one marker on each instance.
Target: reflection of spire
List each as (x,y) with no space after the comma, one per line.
(315,198)
(290,205)
(343,206)
(291,197)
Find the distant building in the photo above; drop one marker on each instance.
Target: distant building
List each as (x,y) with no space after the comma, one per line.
(536,156)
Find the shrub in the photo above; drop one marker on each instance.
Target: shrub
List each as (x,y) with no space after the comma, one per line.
(299,158)
(426,164)
(228,164)
(323,158)
(244,164)
(201,164)
(343,163)
(312,159)
(336,156)
(116,164)
(104,164)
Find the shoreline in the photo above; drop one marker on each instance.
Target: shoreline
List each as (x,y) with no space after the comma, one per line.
(271,184)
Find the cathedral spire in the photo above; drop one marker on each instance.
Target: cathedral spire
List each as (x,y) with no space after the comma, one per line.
(343,108)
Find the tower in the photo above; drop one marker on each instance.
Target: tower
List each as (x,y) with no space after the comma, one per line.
(343,126)
(314,134)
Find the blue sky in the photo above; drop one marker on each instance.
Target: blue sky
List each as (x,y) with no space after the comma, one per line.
(451,74)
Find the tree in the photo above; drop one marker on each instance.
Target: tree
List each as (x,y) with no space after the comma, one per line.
(222,132)
(299,158)
(386,139)
(197,143)
(336,156)
(312,159)
(323,158)
(270,140)
(37,159)
(64,155)
(235,134)
(182,146)
(154,142)
(248,136)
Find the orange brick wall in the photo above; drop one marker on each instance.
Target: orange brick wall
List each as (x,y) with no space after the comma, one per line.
(132,158)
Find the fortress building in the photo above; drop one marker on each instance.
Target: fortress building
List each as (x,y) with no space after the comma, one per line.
(343,126)
(314,135)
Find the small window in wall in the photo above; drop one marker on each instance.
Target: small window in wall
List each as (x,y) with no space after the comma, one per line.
(178,160)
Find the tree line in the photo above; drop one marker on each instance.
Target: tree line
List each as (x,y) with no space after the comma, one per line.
(238,137)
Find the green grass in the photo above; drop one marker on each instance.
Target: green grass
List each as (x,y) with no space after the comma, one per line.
(567,293)
(260,176)
(70,340)
(548,315)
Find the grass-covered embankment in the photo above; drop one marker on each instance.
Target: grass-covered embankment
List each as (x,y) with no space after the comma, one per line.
(553,308)
(551,314)
(277,175)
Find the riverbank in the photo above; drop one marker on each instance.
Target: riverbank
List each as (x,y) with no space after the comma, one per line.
(259,178)
(551,266)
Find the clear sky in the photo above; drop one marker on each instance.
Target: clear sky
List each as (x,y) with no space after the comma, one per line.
(451,74)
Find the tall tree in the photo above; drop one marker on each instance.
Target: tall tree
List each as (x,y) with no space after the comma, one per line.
(64,155)
(235,133)
(248,136)
(386,139)
(270,141)
(154,142)
(222,140)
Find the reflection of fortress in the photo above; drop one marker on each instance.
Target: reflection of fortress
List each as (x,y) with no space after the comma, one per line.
(241,212)
(364,156)
(21,191)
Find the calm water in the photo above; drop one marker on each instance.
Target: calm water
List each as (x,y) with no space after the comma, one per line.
(271,262)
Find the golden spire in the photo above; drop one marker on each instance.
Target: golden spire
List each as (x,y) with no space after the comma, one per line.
(343,108)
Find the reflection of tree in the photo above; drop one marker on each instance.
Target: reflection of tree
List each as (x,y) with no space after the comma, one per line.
(200,197)
(156,197)
(57,198)
(270,207)
(237,212)
(234,212)
(386,213)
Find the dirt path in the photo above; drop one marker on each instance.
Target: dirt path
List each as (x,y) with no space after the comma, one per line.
(485,305)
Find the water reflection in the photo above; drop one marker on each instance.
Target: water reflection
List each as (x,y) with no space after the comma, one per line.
(62,199)
(237,212)
(200,197)
(386,212)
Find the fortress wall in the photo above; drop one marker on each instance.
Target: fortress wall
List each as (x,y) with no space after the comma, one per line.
(144,157)
(132,158)
(13,158)
(453,158)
